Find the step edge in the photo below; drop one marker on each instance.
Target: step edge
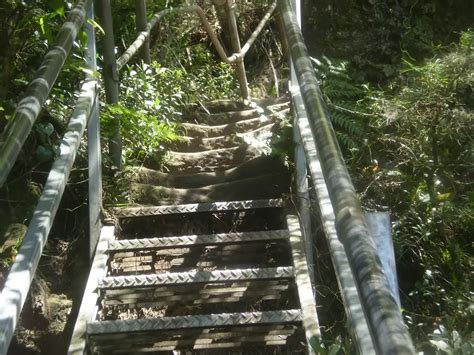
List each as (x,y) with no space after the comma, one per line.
(191,240)
(194,321)
(192,277)
(220,206)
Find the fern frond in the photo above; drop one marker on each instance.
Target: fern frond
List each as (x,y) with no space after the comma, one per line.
(337,88)
(347,101)
(345,122)
(346,141)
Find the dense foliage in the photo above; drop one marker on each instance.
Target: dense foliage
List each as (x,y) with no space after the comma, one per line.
(26,30)
(376,34)
(425,127)
(410,151)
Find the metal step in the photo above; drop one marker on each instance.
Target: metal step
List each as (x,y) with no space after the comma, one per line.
(196,339)
(194,298)
(192,240)
(197,321)
(127,212)
(169,278)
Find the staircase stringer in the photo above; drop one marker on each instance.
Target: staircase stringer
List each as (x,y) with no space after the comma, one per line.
(89,304)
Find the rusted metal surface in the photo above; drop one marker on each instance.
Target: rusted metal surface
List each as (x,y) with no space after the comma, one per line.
(149,301)
(216,338)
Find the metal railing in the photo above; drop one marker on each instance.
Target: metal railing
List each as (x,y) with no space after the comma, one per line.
(17,284)
(18,281)
(28,109)
(14,136)
(85,113)
(113,66)
(389,333)
(383,315)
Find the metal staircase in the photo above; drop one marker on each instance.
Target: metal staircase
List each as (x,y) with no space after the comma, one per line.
(205,274)
(217,275)
(238,290)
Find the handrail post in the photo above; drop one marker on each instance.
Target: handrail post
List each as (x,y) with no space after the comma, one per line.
(93,144)
(142,26)
(301,171)
(111,79)
(234,35)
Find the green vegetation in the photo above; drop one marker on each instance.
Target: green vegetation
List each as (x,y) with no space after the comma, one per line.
(410,150)
(26,30)
(347,102)
(146,121)
(400,96)
(425,127)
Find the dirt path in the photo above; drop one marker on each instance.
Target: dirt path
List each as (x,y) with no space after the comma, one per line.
(224,156)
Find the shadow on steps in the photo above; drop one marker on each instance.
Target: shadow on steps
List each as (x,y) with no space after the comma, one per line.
(208,161)
(261,187)
(262,165)
(222,118)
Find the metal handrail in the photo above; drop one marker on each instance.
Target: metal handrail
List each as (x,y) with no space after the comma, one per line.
(17,284)
(309,157)
(386,325)
(28,109)
(113,67)
(137,44)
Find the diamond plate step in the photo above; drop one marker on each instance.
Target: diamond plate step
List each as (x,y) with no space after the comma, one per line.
(196,297)
(198,321)
(126,212)
(192,240)
(195,339)
(195,277)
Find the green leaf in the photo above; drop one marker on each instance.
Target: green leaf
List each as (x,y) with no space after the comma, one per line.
(82,37)
(89,71)
(444,197)
(41,23)
(96,26)
(57,6)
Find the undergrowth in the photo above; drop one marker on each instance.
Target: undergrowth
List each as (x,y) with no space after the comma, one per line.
(151,102)
(425,126)
(410,151)
(348,103)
